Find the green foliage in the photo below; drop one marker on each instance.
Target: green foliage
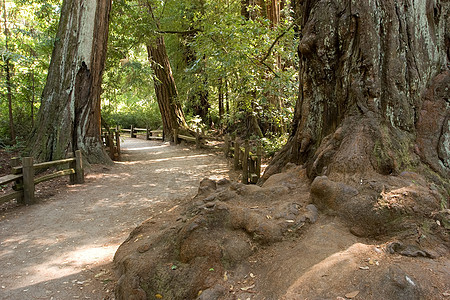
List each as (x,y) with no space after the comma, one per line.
(27,45)
(214,51)
(273,143)
(231,49)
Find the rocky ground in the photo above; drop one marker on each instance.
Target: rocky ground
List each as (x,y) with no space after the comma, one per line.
(289,240)
(376,237)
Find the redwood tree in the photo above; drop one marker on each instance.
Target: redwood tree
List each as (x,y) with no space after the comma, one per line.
(165,88)
(374,78)
(7,68)
(69,116)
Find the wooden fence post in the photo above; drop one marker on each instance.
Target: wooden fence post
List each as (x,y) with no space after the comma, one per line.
(15,162)
(118,141)
(147,134)
(28,180)
(226,145)
(79,172)
(258,160)
(236,154)
(111,145)
(117,135)
(72,165)
(132,132)
(175,136)
(197,139)
(245,163)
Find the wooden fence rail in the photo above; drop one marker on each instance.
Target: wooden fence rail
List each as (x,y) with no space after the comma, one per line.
(25,180)
(243,157)
(111,141)
(149,134)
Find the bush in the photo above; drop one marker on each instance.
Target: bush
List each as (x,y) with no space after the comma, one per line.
(273,143)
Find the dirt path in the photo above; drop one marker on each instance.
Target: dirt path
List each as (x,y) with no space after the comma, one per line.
(62,247)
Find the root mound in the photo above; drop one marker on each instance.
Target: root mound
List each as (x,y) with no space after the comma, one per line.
(234,241)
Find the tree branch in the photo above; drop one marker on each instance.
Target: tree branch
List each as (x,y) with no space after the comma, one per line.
(256,61)
(274,43)
(180,32)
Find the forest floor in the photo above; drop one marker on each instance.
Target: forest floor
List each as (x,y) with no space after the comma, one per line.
(62,248)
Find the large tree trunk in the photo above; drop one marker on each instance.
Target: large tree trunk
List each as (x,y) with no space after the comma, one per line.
(69,116)
(165,88)
(374,88)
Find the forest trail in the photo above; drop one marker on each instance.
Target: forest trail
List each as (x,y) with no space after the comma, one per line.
(63,247)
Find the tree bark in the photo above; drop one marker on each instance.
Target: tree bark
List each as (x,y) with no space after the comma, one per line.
(33,96)
(69,116)
(221,101)
(165,88)
(273,12)
(374,87)
(7,67)
(12,131)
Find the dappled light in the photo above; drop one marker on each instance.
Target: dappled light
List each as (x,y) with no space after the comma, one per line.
(81,228)
(253,149)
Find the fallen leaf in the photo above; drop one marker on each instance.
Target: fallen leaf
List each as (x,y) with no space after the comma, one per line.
(446,293)
(290,221)
(247,288)
(225,276)
(100,274)
(158,296)
(252,275)
(351,295)
(199,293)
(364,268)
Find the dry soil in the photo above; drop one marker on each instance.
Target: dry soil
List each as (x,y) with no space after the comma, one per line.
(62,248)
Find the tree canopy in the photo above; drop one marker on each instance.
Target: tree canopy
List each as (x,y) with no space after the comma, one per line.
(234,68)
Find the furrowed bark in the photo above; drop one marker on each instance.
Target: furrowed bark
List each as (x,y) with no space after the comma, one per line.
(69,116)
(165,88)
(372,73)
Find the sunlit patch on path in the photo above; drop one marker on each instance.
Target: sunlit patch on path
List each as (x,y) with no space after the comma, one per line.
(61,248)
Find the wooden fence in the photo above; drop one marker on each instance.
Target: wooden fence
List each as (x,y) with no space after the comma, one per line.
(246,156)
(149,134)
(25,180)
(111,141)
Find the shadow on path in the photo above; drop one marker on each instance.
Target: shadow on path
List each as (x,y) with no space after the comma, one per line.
(62,247)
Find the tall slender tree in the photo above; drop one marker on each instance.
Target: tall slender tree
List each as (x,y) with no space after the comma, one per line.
(7,68)
(69,115)
(165,87)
